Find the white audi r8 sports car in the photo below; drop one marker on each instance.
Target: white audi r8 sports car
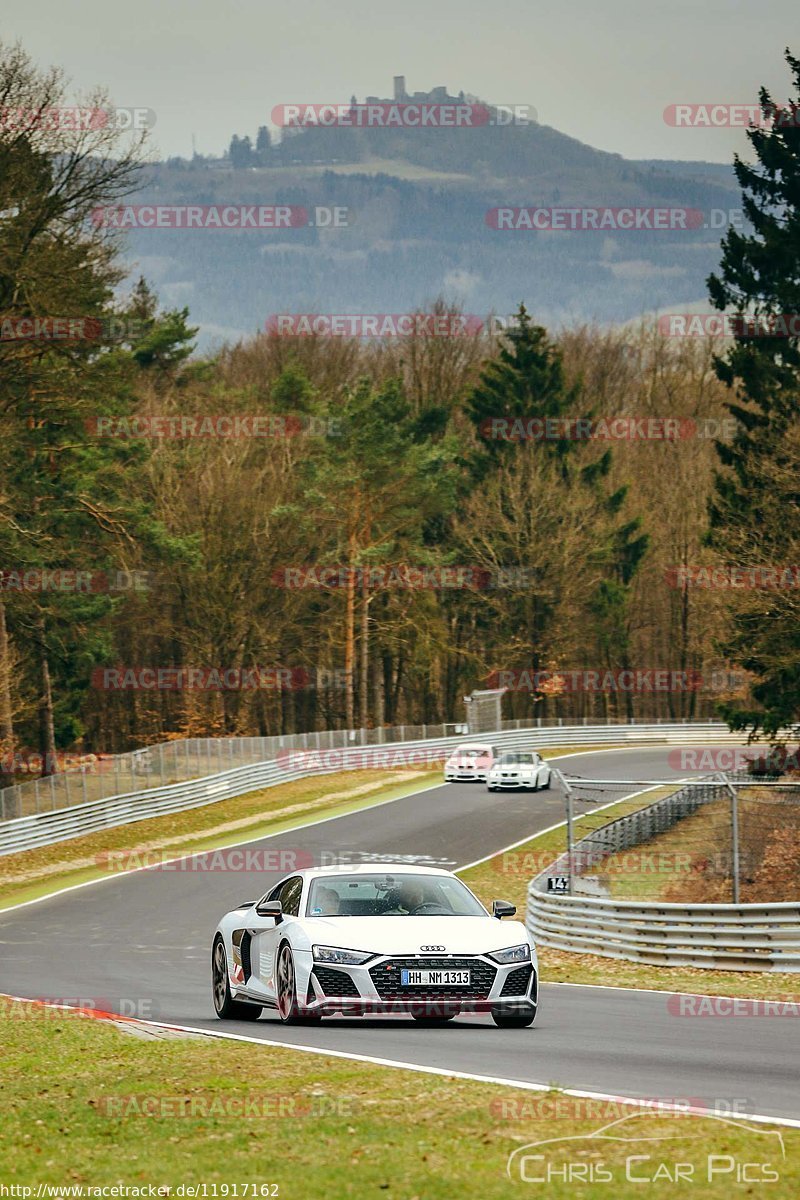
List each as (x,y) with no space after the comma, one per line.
(519,769)
(362,940)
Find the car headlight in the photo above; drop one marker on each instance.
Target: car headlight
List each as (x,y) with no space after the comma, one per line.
(334,954)
(512,954)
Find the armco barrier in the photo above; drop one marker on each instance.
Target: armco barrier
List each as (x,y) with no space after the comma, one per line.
(44,828)
(744,937)
(103,777)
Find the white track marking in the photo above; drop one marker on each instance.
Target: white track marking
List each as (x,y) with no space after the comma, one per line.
(399,1064)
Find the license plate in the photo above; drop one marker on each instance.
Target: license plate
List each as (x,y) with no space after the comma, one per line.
(409,978)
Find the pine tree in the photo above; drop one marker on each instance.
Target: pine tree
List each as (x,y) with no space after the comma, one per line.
(755,508)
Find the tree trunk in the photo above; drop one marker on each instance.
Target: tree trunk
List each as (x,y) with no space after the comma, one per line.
(363,699)
(388,694)
(349,639)
(6,712)
(47,737)
(378,692)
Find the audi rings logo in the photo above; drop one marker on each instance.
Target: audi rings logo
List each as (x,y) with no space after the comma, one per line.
(431,947)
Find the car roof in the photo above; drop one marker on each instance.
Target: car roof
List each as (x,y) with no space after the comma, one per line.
(473,746)
(380,868)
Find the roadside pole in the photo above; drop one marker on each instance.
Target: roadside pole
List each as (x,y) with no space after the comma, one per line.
(568,798)
(734,834)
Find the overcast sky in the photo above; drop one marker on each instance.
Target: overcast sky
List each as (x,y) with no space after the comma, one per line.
(602,71)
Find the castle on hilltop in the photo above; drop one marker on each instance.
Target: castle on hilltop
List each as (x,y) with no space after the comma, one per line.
(437,95)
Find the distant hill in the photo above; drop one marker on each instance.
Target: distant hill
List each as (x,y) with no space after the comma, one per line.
(417,203)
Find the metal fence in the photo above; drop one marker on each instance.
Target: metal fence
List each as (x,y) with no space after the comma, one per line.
(194,758)
(25,831)
(755,936)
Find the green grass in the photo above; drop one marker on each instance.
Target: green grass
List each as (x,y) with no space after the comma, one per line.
(73,1111)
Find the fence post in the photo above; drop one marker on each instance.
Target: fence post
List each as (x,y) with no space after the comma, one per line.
(734,834)
(568,798)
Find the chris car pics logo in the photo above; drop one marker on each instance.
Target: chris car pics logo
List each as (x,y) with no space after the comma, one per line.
(624,1153)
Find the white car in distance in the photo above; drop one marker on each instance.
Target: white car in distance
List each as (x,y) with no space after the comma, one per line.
(470,761)
(519,769)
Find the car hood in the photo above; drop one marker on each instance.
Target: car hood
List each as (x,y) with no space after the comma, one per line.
(405,935)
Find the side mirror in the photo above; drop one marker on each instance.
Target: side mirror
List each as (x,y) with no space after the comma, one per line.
(502,908)
(273,908)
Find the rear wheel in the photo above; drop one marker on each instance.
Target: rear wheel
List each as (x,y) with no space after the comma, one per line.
(546,786)
(226,1007)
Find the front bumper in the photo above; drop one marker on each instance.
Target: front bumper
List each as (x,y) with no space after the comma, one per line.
(459,775)
(511,782)
(374,987)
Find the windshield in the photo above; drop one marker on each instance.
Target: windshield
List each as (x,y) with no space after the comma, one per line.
(391,896)
(472,752)
(511,759)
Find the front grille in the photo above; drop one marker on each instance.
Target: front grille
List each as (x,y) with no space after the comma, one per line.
(336,983)
(516,983)
(386,978)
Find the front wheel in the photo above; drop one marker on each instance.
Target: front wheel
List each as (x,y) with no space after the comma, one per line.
(513,1018)
(289,1009)
(227,1009)
(546,786)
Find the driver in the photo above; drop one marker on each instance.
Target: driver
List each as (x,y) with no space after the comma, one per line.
(327,903)
(411,896)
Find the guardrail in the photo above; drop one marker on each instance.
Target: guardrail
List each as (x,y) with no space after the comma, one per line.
(744,937)
(107,776)
(24,832)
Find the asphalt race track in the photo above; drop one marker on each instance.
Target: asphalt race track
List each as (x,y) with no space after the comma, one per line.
(147,937)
